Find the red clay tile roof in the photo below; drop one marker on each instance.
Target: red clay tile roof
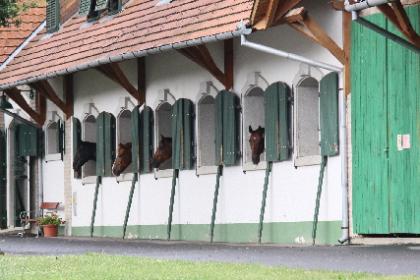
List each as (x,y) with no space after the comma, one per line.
(11,37)
(140,26)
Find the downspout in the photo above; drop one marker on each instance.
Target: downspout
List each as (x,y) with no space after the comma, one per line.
(344,178)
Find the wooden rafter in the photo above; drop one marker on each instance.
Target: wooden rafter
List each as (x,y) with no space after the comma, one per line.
(44,88)
(68,94)
(115,73)
(201,56)
(141,80)
(274,11)
(397,15)
(300,20)
(16,96)
(41,107)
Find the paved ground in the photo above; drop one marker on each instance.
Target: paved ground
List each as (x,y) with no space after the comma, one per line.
(377,259)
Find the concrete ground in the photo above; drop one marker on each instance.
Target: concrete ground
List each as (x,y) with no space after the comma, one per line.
(392,259)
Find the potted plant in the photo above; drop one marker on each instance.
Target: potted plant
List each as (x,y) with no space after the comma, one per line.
(49,224)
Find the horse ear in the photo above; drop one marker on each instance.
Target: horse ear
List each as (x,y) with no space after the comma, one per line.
(250,129)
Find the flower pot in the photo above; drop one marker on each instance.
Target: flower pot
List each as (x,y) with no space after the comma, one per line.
(50,230)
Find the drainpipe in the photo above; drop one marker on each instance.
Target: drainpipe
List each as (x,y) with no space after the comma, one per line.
(287,55)
(344,179)
(364,5)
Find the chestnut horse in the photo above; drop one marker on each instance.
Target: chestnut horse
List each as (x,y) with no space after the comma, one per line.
(163,151)
(256,141)
(85,152)
(123,159)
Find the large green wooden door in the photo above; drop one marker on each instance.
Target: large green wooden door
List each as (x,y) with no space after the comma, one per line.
(385,104)
(404,120)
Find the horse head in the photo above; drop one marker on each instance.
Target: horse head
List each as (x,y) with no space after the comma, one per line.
(85,152)
(123,159)
(256,141)
(163,151)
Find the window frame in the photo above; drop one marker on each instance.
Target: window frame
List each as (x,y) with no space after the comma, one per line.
(161,173)
(51,156)
(247,165)
(128,174)
(204,169)
(91,179)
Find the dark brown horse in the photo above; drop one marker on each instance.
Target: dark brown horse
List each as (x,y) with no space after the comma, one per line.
(85,152)
(256,141)
(123,159)
(163,151)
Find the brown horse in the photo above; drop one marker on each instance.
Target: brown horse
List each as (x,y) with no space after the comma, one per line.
(256,141)
(123,159)
(163,152)
(85,152)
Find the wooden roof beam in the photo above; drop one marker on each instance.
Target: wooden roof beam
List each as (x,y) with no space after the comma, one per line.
(275,10)
(141,80)
(397,15)
(45,89)
(115,73)
(202,57)
(17,97)
(300,20)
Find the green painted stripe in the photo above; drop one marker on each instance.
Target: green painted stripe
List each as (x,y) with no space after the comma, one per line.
(280,233)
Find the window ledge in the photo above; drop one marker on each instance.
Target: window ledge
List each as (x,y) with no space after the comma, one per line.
(125,177)
(89,180)
(249,166)
(204,170)
(166,173)
(53,157)
(308,160)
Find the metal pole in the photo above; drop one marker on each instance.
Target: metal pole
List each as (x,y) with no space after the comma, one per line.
(215,199)
(171,203)
(130,200)
(95,200)
(287,55)
(318,198)
(387,34)
(263,200)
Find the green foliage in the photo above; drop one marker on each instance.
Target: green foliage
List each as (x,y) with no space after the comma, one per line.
(50,219)
(10,9)
(98,266)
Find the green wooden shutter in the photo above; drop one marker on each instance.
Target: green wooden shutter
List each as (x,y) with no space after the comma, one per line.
(76,139)
(105,144)
(277,122)
(3,186)
(60,138)
(84,7)
(227,128)
(182,134)
(329,114)
(100,145)
(135,139)
(146,140)
(53,15)
(101,5)
(27,140)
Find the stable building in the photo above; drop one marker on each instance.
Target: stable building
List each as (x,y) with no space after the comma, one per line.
(331,88)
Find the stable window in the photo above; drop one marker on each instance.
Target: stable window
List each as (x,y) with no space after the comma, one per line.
(254,117)
(307,126)
(206,116)
(53,145)
(124,136)
(53,16)
(163,129)
(89,135)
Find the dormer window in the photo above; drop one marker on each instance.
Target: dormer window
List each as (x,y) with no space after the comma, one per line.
(53,15)
(93,8)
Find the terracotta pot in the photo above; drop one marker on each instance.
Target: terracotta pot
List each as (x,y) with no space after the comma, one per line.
(50,230)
